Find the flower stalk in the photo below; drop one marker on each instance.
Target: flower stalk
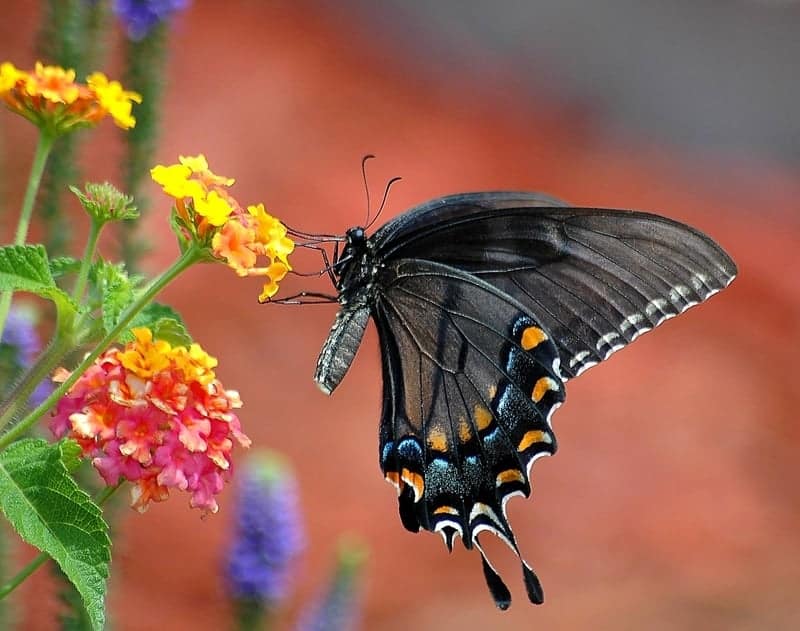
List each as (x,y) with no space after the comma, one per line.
(43,148)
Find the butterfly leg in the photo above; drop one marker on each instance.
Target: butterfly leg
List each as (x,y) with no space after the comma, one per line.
(328,268)
(297,299)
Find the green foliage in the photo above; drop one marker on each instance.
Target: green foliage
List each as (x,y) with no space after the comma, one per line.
(63,265)
(112,289)
(104,202)
(26,268)
(165,322)
(74,617)
(48,510)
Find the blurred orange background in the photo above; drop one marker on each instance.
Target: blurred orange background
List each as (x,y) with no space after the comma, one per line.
(674,500)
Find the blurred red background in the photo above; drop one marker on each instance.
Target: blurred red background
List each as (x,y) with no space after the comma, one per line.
(674,500)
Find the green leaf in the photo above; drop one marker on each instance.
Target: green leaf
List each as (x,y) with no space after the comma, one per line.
(26,268)
(113,289)
(63,265)
(71,455)
(165,323)
(172,331)
(49,510)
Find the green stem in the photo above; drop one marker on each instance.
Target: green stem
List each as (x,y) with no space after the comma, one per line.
(43,557)
(192,255)
(88,257)
(38,372)
(252,615)
(24,573)
(43,148)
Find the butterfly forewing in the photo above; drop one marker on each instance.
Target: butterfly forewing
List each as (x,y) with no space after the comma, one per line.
(595,278)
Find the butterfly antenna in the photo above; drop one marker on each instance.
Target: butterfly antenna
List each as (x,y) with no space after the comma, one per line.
(369,156)
(383,201)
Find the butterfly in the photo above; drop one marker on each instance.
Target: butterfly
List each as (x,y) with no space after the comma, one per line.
(486,305)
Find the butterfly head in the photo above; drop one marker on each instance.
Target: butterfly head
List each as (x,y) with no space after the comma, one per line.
(353,256)
(356,237)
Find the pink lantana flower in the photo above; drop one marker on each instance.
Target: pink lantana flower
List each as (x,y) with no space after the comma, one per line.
(154,415)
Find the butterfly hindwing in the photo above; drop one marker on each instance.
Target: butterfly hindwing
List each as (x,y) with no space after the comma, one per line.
(471,380)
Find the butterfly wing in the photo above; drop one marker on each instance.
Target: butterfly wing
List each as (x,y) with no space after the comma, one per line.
(470,382)
(485,303)
(595,279)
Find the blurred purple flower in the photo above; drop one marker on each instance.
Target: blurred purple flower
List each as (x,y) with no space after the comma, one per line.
(19,348)
(140,16)
(337,608)
(268,532)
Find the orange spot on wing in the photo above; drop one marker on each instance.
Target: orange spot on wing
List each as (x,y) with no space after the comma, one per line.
(437,440)
(531,437)
(483,417)
(542,386)
(445,510)
(393,478)
(416,481)
(532,337)
(464,430)
(509,475)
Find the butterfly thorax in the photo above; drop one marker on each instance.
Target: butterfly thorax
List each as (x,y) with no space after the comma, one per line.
(355,269)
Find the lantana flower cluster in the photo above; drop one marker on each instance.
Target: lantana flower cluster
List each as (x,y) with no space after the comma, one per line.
(236,235)
(50,98)
(155,415)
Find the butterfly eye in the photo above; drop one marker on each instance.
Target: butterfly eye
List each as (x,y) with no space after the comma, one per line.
(356,234)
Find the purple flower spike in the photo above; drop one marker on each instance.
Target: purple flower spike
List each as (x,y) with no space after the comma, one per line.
(268,532)
(140,16)
(19,347)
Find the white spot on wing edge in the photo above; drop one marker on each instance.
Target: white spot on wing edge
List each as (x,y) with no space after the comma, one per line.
(607,339)
(631,321)
(440,526)
(657,305)
(579,358)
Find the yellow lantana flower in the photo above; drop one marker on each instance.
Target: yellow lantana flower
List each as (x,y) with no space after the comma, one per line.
(208,214)
(214,208)
(113,98)
(50,98)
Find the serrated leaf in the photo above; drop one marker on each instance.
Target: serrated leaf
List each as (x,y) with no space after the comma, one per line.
(113,289)
(172,331)
(49,510)
(63,265)
(165,323)
(26,268)
(70,455)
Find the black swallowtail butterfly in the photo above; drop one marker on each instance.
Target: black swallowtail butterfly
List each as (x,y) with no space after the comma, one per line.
(486,304)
